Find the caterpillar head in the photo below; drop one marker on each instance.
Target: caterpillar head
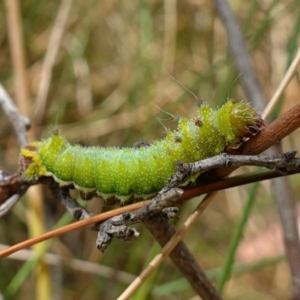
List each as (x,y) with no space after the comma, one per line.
(31,167)
(245,120)
(31,158)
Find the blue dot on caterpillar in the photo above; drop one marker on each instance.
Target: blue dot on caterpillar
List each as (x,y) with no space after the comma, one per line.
(140,172)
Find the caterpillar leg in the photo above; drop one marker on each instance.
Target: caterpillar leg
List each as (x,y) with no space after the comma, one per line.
(73,207)
(159,209)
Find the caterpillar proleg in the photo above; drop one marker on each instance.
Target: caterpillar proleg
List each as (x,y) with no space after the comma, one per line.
(141,171)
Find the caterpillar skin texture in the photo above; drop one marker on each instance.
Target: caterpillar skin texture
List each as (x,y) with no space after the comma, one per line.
(140,172)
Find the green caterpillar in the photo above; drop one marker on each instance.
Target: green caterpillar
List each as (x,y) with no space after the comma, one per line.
(139,172)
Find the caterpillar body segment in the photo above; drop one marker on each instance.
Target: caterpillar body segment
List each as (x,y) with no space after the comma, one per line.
(140,171)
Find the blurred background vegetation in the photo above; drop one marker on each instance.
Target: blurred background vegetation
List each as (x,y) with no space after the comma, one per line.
(123,71)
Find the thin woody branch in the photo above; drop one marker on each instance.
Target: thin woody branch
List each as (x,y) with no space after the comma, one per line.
(20,123)
(167,199)
(281,163)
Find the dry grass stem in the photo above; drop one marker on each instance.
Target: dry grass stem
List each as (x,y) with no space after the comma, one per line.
(282,86)
(170,24)
(70,227)
(14,26)
(35,218)
(49,60)
(75,264)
